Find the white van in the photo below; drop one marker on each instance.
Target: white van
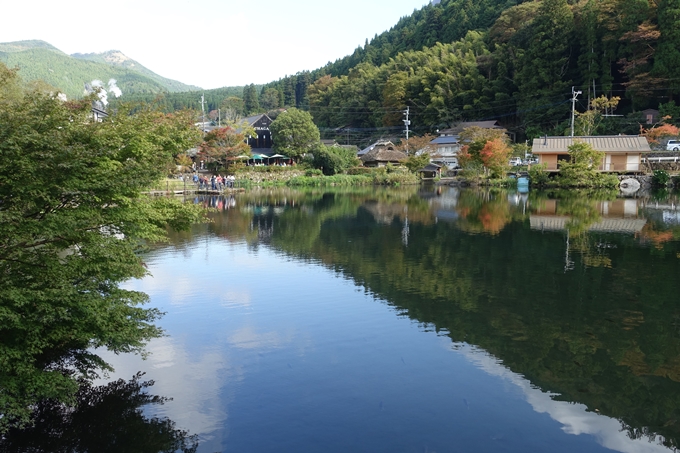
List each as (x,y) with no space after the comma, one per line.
(515,161)
(673,145)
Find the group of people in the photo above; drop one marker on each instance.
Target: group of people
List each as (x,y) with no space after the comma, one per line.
(214,182)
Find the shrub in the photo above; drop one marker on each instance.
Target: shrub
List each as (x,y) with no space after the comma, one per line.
(359,171)
(538,175)
(310,172)
(660,178)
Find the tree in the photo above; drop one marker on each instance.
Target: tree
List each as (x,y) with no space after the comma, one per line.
(667,57)
(294,133)
(222,145)
(232,109)
(587,123)
(250,102)
(542,76)
(333,159)
(72,221)
(476,137)
(655,133)
(269,99)
(416,162)
(583,164)
(420,145)
(495,156)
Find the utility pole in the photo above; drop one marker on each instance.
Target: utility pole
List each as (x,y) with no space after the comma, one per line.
(574,95)
(407,123)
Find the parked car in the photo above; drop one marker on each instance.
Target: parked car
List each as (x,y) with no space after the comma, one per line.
(515,161)
(673,145)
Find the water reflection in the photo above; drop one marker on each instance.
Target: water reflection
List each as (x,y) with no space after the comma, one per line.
(107,418)
(567,297)
(497,269)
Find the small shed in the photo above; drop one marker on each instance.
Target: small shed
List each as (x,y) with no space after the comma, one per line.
(430,171)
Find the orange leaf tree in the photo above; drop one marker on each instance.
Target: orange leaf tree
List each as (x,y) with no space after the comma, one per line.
(488,147)
(222,145)
(655,133)
(494,156)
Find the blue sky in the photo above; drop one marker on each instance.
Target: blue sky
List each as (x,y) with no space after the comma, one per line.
(208,44)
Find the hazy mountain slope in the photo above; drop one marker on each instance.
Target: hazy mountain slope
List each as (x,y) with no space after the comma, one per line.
(18,46)
(118,59)
(38,60)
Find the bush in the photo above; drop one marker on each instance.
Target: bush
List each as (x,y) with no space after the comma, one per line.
(360,171)
(310,172)
(335,180)
(538,175)
(333,159)
(660,178)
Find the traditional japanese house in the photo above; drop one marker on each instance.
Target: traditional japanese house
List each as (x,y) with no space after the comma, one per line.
(623,153)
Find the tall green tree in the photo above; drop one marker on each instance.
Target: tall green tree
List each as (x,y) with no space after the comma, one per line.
(251,103)
(269,99)
(294,133)
(667,57)
(72,220)
(543,76)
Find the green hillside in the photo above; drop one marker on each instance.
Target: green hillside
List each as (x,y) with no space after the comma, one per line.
(18,46)
(38,60)
(118,59)
(513,61)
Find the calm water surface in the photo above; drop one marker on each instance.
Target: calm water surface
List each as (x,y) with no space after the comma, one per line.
(427,320)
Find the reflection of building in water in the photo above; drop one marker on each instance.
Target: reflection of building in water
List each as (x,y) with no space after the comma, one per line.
(618,216)
(667,212)
(264,227)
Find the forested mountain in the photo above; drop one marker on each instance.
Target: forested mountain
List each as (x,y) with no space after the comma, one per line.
(513,61)
(39,60)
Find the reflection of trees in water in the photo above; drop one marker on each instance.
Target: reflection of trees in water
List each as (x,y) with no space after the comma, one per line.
(603,336)
(106,418)
(606,335)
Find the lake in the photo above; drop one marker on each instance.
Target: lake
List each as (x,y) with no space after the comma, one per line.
(425,319)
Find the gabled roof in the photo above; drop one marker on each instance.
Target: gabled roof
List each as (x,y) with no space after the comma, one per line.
(258,120)
(445,140)
(383,154)
(605,143)
(381,142)
(458,128)
(430,167)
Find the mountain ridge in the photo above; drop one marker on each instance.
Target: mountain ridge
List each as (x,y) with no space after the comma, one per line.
(39,60)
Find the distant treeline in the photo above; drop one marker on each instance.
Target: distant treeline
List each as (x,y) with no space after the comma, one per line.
(513,61)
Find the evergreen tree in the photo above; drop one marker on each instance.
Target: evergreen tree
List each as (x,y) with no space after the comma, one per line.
(543,76)
(250,101)
(667,57)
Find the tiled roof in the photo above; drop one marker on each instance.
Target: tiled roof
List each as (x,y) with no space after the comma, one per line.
(606,143)
(445,140)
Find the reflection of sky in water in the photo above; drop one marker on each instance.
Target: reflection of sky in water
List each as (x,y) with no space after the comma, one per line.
(268,354)
(575,418)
